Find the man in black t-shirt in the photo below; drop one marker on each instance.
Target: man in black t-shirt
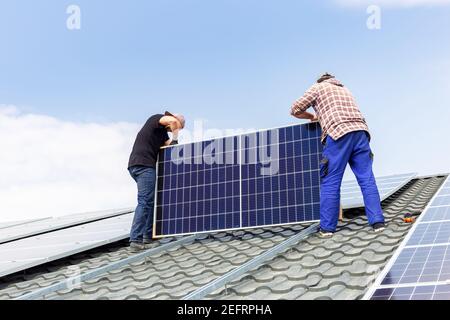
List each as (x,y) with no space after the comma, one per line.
(142,167)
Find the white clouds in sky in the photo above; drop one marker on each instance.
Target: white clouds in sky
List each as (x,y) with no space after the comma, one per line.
(393,3)
(50,167)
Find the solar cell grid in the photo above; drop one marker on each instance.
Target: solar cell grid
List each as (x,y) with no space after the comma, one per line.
(191,195)
(430,292)
(436,214)
(351,196)
(445,192)
(291,192)
(420,264)
(430,233)
(443,200)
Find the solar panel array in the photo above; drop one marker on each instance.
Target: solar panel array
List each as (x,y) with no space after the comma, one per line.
(35,227)
(351,196)
(26,253)
(420,268)
(260,179)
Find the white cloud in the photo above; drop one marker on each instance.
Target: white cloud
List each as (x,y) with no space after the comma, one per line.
(50,167)
(393,3)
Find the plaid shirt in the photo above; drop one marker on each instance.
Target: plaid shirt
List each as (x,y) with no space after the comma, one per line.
(335,107)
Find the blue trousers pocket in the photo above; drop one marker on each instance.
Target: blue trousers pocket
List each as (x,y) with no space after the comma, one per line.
(324,163)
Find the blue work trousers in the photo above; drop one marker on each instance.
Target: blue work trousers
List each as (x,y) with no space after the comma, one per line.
(354,149)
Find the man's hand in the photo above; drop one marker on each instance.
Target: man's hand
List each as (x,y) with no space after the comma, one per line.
(306,116)
(175,133)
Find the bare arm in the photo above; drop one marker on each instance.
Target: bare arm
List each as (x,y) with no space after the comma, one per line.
(174,139)
(306,115)
(170,122)
(300,106)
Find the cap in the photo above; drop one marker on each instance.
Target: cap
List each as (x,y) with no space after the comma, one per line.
(179,117)
(324,77)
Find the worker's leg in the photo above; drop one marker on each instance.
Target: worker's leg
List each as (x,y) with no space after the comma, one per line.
(148,232)
(145,179)
(334,161)
(361,163)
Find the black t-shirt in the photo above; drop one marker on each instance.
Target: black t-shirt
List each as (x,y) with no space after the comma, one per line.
(148,142)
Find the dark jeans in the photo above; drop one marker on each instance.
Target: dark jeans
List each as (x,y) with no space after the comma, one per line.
(145,178)
(353,148)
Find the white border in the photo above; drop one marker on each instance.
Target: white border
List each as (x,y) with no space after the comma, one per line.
(387,268)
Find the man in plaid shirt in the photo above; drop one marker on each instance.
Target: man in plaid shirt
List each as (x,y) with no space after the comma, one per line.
(346,140)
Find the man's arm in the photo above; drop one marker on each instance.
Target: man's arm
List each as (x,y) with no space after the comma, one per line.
(170,122)
(300,106)
(174,140)
(306,115)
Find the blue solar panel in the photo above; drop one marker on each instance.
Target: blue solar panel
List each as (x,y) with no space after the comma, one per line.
(421,265)
(265,178)
(285,189)
(432,292)
(443,200)
(430,233)
(198,187)
(436,214)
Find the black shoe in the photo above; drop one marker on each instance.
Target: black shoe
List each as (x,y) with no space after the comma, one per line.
(379,227)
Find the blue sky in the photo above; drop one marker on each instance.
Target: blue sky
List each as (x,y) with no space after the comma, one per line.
(236,64)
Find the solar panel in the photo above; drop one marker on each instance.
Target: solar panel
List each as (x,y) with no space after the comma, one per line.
(424,292)
(41,226)
(10,224)
(196,194)
(437,214)
(351,196)
(430,233)
(29,252)
(420,268)
(265,178)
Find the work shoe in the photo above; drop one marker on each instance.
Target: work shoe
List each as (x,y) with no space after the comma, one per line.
(324,234)
(379,227)
(148,243)
(136,246)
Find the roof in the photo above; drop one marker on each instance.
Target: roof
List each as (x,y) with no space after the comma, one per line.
(342,267)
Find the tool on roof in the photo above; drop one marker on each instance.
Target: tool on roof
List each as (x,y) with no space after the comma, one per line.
(409,218)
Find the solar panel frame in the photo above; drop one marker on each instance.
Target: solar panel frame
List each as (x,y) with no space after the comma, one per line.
(156,236)
(379,280)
